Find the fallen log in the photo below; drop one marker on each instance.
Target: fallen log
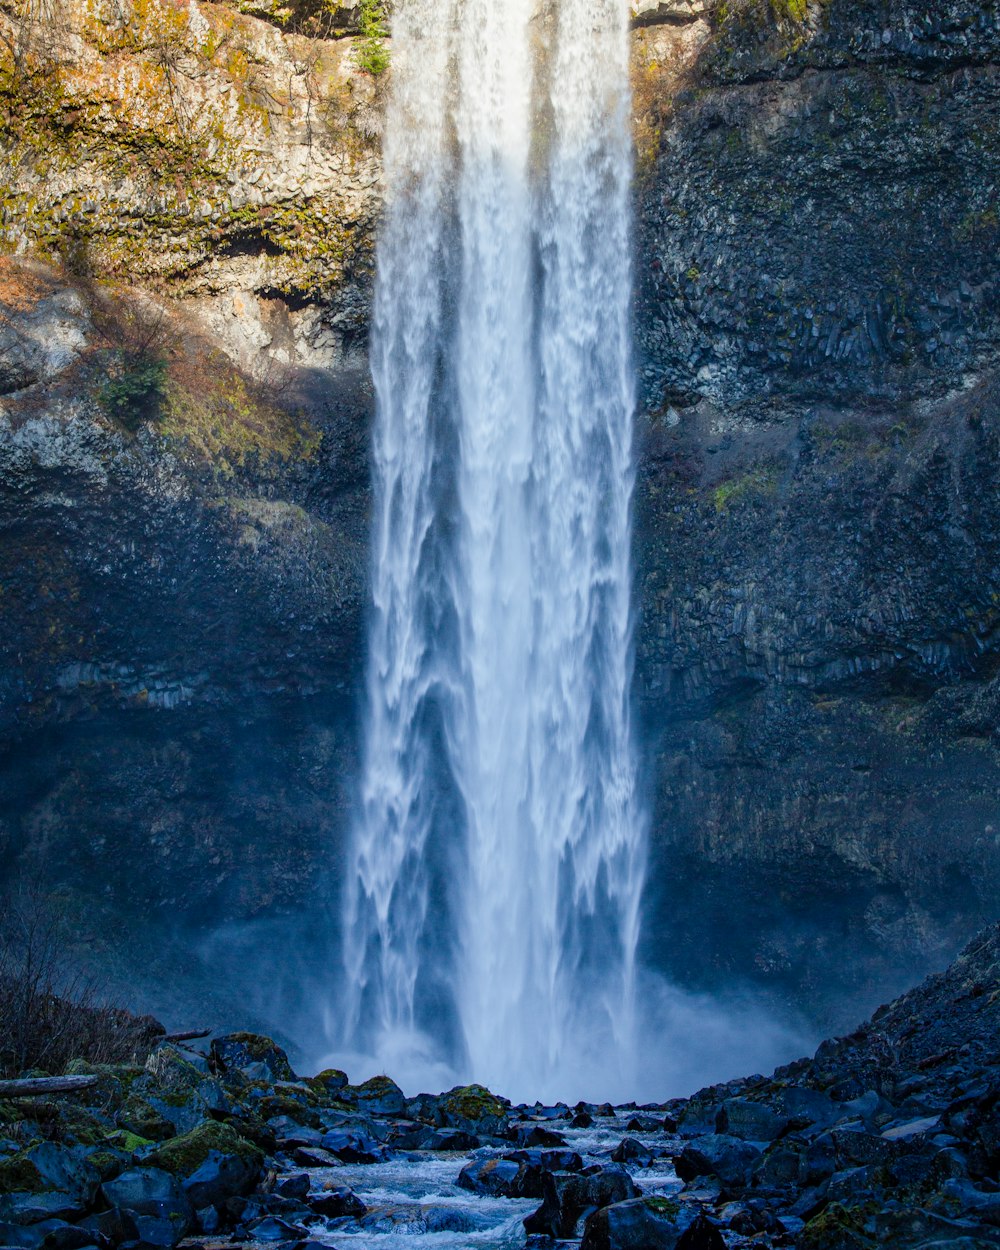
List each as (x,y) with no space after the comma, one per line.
(31,1086)
(189,1036)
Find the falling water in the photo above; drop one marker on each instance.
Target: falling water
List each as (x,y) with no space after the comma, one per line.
(492,901)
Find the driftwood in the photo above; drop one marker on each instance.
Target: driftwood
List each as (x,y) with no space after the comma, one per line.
(31,1086)
(189,1036)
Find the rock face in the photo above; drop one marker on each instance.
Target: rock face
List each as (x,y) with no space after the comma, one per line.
(817,523)
(816,507)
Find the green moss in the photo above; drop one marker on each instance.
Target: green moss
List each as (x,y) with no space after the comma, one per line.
(758,483)
(790,10)
(184,1155)
(836,1228)
(108,1164)
(137,1116)
(19,1175)
(663,1206)
(130,1142)
(472,1102)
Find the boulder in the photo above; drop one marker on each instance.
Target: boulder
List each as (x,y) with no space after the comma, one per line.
(157,1204)
(49,1166)
(138,1116)
(212,1162)
(296,1186)
(639,1224)
(528,1135)
(352,1147)
(251,1055)
(717,1154)
(499,1178)
(379,1096)
(329,1082)
(29,1208)
(337,1202)
(178,1088)
(115,1225)
(556,1160)
(312,1157)
(749,1121)
(273,1228)
(288,1133)
(408,1135)
(568,1196)
(73,1237)
(472,1108)
(456,1139)
(629,1150)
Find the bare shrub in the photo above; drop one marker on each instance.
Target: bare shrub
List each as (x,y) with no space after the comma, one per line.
(51,1009)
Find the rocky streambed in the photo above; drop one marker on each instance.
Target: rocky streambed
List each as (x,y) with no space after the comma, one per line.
(887,1137)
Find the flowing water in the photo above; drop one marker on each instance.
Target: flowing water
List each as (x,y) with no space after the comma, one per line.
(415,1194)
(492,900)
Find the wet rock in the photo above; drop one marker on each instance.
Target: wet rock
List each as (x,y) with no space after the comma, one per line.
(643,1124)
(293,1186)
(313,1157)
(73,1237)
(500,1178)
(289,1134)
(631,1151)
(349,1147)
(554,1160)
(639,1224)
(418,1218)
(529,1135)
(409,1135)
(701,1234)
(451,1139)
(273,1228)
(336,1202)
(567,1196)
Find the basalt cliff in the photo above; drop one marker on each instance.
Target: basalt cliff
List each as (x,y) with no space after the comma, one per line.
(188,207)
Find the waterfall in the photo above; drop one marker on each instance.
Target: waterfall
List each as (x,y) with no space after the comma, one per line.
(492,895)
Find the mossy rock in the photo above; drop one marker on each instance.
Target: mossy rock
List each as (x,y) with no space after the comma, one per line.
(114,1082)
(139,1117)
(836,1228)
(379,1094)
(109,1163)
(278,1104)
(472,1107)
(663,1206)
(19,1175)
(185,1154)
(253,1055)
(81,1125)
(213,1162)
(328,1083)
